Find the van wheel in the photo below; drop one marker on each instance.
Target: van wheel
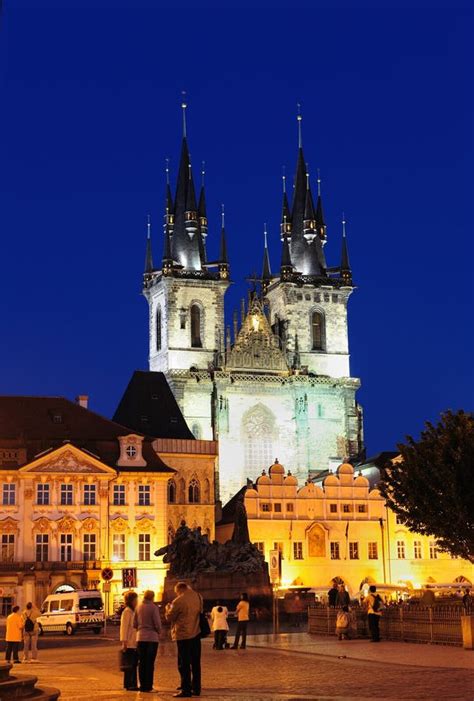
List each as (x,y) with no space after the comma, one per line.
(69,629)
(97,630)
(40,629)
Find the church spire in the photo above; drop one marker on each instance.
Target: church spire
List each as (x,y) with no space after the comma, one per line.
(223,266)
(266,269)
(320,223)
(149,253)
(202,212)
(309,220)
(346,273)
(286,267)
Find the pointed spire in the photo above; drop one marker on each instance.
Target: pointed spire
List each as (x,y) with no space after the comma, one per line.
(266,270)
(202,210)
(286,267)
(299,119)
(309,219)
(169,207)
(346,273)
(223,258)
(320,223)
(149,253)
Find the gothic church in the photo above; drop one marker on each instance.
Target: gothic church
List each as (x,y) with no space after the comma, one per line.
(275,382)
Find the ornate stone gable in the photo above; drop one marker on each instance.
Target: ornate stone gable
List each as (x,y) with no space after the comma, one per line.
(68,460)
(256,347)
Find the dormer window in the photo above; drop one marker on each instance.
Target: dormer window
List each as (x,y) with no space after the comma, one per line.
(131,451)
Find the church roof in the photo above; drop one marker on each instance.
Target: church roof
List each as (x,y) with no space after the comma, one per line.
(149,406)
(38,424)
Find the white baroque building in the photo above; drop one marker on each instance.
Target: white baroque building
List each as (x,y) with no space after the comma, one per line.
(279,382)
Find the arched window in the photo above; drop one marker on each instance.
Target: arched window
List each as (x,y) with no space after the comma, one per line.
(196,327)
(317,331)
(194,496)
(171,492)
(158,329)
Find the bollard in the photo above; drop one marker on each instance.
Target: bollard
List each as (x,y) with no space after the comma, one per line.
(467,625)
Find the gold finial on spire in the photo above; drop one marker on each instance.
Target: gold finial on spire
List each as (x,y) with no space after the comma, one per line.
(319,184)
(299,120)
(223,215)
(184,105)
(148,226)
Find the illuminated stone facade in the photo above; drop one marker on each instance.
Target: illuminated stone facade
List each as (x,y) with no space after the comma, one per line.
(279,382)
(340,530)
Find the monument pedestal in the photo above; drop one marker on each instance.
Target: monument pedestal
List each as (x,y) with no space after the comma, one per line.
(224,586)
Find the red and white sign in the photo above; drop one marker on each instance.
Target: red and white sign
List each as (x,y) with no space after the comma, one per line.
(107,574)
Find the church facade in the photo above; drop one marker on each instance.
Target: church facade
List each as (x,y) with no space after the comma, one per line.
(276,381)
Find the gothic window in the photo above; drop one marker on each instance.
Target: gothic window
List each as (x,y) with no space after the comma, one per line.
(194,492)
(158,329)
(196,327)
(317,330)
(258,431)
(171,492)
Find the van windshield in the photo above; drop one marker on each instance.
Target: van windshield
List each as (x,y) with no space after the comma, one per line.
(93,603)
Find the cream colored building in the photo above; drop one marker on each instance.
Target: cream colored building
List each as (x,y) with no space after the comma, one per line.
(341,530)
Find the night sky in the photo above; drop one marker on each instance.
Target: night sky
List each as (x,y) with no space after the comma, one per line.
(90,110)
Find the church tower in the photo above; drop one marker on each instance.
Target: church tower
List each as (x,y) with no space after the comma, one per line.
(185,293)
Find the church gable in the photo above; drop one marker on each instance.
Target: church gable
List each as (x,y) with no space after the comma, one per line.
(256,347)
(68,459)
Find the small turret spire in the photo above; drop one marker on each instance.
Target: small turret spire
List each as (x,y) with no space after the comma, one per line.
(169,197)
(266,269)
(202,213)
(285,224)
(309,220)
(320,223)
(319,183)
(149,252)
(346,273)
(223,258)
(286,268)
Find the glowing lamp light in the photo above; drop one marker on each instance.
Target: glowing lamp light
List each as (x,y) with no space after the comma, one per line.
(255,322)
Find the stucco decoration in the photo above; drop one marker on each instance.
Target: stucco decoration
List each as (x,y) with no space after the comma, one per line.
(119,525)
(9,525)
(317,541)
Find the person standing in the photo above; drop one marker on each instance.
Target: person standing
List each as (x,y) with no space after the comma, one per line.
(13,634)
(128,638)
(147,623)
(183,614)
(219,625)
(343,622)
(343,598)
(374,605)
(332,596)
(30,633)
(243,617)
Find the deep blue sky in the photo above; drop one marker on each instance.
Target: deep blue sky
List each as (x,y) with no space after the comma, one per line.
(90,109)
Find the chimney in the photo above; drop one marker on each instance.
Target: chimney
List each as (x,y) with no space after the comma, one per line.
(83,400)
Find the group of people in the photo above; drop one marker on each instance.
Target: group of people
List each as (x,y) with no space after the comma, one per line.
(339,598)
(220,625)
(140,631)
(22,627)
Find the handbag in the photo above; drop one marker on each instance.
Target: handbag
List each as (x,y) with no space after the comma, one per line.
(127,659)
(204,625)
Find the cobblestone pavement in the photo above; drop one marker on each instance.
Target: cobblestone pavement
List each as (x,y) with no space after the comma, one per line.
(90,671)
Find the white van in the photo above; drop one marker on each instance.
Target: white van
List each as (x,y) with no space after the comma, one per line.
(75,610)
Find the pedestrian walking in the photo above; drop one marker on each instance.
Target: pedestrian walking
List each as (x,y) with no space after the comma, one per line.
(128,638)
(219,625)
(467,601)
(147,623)
(184,614)
(374,611)
(332,595)
(343,623)
(243,617)
(342,598)
(13,634)
(30,633)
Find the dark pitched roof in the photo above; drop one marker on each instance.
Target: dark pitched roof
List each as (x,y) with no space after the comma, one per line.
(38,424)
(148,406)
(228,511)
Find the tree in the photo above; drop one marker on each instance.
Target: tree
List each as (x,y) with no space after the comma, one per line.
(431,487)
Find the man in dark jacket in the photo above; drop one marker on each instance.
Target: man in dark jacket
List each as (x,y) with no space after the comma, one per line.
(343,598)
(332,595)
(184,614)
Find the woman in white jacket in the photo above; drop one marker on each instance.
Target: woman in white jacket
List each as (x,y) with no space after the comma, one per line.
(219,625)
(128,638)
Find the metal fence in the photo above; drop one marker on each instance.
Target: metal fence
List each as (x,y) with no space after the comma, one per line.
(421,624)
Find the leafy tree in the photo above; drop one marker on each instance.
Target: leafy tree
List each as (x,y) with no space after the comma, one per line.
(432,487)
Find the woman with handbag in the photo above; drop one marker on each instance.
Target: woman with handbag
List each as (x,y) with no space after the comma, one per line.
(128,638)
